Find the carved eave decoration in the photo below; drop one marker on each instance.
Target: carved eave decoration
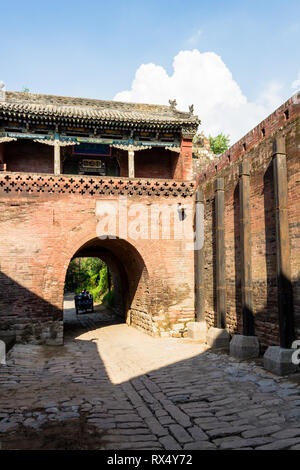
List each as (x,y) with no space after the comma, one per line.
(130,147)
(6,139)
(122,125)
(57,142)
(173,149)
(189,131)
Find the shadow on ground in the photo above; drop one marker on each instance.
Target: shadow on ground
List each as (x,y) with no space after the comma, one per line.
(112,387)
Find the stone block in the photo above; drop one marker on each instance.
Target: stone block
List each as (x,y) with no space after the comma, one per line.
(279,360)
(9,338)
(197,331)
(244,347)
(218,338)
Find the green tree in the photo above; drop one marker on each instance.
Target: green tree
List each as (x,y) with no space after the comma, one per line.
(90,274)
(25,90)
(219,144)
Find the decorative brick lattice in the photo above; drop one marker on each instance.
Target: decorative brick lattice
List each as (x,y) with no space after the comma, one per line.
(25,183)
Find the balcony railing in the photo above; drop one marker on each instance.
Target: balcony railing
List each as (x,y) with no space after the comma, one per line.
(41,183)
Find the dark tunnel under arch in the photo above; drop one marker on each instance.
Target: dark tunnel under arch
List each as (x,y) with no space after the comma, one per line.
(128,271)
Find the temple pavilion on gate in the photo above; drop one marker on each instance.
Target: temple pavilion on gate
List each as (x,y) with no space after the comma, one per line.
(62,135)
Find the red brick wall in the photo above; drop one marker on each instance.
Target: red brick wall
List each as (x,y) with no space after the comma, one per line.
(40,232)
(182,166)
(28,156)
(267,128)
(153,163)
(186,155)
(123,163)
(259,154)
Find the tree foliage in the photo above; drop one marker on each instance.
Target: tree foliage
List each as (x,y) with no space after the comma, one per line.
(90,274)
(219,144)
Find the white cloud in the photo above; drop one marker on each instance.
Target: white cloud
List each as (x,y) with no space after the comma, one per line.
(204,80)
(296,83)
(193,40)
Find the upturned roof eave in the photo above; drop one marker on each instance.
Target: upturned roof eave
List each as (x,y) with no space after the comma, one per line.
(36,106)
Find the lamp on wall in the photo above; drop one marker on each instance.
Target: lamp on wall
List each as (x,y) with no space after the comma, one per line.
(181,211)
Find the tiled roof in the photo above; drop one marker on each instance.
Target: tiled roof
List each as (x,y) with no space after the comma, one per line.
(29,104)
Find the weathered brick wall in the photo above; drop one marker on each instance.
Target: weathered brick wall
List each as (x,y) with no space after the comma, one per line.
(45,220)
(28,156)
(186,156)
(153,163)
(259,154)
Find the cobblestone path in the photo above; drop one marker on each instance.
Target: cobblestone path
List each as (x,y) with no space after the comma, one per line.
(112,387)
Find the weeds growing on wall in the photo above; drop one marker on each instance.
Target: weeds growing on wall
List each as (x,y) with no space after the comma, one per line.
(108,299)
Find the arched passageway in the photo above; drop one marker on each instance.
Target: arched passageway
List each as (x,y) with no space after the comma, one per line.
(129,277)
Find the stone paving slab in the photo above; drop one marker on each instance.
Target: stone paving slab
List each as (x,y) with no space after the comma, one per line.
(113,387)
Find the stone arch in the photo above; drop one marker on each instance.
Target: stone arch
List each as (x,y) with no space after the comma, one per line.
(125,262)
(129,272)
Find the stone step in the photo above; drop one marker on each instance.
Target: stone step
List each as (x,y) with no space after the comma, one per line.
(9,339)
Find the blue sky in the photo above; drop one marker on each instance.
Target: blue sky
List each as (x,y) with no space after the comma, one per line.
(94,48)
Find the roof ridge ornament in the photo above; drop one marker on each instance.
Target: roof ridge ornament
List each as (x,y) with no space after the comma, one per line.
(191,109)
(173,104)
(2,91)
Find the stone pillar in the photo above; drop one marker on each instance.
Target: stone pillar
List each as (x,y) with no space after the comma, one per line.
(278,359)
(131,164)
(218,337)
(285,294)
(56,158)
(199,268)
(197,330)
(245,234)
(220,253)
(245,346)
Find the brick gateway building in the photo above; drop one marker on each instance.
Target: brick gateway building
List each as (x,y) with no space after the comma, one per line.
(60,158)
